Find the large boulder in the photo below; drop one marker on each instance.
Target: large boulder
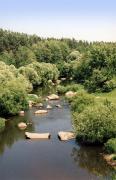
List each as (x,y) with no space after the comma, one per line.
(41,112)
(53,97)
(64,136)
(22,125)
(70,94)
(37,135)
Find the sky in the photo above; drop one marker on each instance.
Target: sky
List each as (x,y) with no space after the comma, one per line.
(91,20)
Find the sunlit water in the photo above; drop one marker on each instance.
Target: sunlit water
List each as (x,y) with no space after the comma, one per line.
(22,159)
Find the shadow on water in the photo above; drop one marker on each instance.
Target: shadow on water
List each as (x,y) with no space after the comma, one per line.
(12,133)
(90,158)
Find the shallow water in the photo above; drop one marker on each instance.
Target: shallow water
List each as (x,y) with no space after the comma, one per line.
(22,159)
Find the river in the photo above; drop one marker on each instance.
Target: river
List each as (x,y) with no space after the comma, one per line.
(22,159)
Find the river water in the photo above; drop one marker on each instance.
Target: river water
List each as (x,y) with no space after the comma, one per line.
(22,159)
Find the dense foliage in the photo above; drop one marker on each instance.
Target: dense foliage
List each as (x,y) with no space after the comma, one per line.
(93,122)
(28,61)
(110,146)
(62,89)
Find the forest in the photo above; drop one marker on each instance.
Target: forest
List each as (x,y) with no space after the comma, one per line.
(28,62)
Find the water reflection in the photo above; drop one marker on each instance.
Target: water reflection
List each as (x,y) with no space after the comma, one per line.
(90,158)
(12,133)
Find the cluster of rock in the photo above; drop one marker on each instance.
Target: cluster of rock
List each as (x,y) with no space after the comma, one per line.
(61,135)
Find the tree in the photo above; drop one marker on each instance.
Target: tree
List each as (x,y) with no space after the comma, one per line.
(24,56)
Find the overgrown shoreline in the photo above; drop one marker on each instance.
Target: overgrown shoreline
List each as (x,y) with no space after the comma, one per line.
(29,62)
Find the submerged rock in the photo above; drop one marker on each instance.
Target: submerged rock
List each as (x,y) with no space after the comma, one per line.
(37,135)
(41,112)
(22,125)
(64,136)
(70,94)
(53,97)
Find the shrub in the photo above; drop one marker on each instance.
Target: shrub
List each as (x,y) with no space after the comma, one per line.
(31,75)
(109,85)
(95,124)
(110,145)
(63,89)
(34,98)
(80,101)
(45,72)
(12,101)
(2,124)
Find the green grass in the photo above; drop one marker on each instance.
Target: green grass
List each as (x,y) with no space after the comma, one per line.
(111,96)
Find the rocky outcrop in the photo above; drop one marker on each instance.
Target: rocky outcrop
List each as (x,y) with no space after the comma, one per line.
(41,112)
(22,125)
(70,94)
(53,97)
(64,136)
(37,135)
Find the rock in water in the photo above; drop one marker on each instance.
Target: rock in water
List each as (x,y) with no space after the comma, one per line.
(58,105)
(37,135)
(41,112)
(53,97)
(64,136)
(39,105)
(22,125)
(21,113)
(49,107)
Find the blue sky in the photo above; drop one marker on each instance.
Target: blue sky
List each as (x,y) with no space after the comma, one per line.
(82,19)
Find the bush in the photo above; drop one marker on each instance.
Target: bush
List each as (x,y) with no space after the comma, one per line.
(110,145)
(63,89)
(95,124)
(45,72)
(34,98)
(2,124)
(80,101)
(12,101)
(109,85)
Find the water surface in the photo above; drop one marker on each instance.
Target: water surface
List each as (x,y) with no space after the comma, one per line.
(22,159)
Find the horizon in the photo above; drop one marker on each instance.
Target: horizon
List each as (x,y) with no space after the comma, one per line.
(82,20)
